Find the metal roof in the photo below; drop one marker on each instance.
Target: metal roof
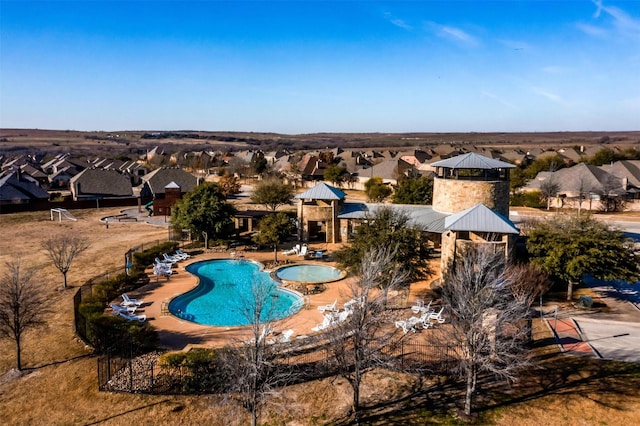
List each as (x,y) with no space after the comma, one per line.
(421,216)
(322,191)
(480,218)
(472,161)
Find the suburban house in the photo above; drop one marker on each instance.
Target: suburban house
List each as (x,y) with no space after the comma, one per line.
(167,184)
(19,188)
(96,183)
(582,186)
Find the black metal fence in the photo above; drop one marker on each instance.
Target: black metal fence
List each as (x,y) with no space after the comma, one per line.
(145,374)
(82,328)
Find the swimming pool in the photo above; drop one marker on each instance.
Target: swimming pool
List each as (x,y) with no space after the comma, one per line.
(309,273)
(226,295)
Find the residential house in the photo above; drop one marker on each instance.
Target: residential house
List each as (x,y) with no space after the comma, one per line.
(97,183)
(154,183)
(20,188)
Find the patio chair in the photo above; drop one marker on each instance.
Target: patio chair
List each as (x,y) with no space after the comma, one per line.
(326,323)
(127,301)
(170,259)
(139,318)
(419,307)
(285,337)
(292,251)
(125,309)
(436,316)
(303,251)
(330,308)
(162,270)
(183,254)
(406,326)
(349,305)
(163,262)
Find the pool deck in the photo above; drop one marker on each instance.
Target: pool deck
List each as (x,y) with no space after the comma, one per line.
(178,334)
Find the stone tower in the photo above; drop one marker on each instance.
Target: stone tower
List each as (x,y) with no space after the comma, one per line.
(466,180)
(474,190)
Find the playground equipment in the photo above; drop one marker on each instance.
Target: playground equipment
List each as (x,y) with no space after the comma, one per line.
(149,207)
(62,213)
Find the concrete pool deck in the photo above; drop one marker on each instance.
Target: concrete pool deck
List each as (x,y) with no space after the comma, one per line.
(177,334)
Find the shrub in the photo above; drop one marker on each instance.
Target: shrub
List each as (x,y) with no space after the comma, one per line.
(202,369)
(142,259)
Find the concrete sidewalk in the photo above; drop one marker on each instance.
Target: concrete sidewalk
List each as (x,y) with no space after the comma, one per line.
(568,336)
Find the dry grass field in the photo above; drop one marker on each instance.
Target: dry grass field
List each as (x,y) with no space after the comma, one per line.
(59,385)
(134,142)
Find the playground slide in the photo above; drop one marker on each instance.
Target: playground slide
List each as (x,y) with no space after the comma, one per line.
(149,207)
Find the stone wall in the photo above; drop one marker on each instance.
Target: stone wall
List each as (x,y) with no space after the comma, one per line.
(452,196)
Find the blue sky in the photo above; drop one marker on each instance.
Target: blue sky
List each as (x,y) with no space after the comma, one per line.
(305,66)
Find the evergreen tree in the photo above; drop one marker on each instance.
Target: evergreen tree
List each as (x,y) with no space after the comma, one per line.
(205,209)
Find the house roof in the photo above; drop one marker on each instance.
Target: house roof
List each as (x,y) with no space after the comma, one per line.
(585,178)
(387,169)
(15,189)
(480,218)
(472,161)
(158,179)
(101,182)
(322,191)
(625,169)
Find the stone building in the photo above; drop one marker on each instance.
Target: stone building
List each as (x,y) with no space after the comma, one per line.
(474,191)
(470,207)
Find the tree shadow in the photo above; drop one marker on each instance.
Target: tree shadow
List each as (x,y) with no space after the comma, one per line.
(604,382)
(133,410)
(49,364)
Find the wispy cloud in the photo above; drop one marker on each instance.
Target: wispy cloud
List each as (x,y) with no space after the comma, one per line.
(498,99)
(591,30)
(453,34)
(397,22)
(622,22)
(548,94)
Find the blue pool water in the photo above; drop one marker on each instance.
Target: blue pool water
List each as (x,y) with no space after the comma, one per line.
(308,273)
(227,295)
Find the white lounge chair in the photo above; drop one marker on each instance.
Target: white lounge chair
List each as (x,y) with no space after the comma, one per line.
(294,250)
(406,326)
(326,323)
(125,309)
(163,262)
(419,307)
(182,254)
(126,301)
(163,270)
(436,316)
(283,338)
(303,251)
(330,308)
(170,259)
(139,318)
(349,305)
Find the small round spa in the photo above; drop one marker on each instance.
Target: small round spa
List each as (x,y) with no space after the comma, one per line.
(307,273)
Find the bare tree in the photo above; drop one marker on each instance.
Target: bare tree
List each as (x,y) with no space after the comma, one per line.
(23,305)
(487,307)
(63,249)
(363,339)
(585,189)
(251,367)
(548,190)
(612,194)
